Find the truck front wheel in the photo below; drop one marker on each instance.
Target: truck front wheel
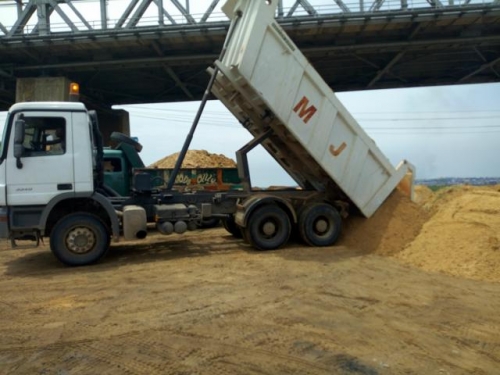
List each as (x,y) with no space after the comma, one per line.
(268,227)
(79,239)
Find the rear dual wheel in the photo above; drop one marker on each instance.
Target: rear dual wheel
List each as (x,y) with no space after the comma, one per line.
(233,228)
(319,224)
(208,223)
(268,227)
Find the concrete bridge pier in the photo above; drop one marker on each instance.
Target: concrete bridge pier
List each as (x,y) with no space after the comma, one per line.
(45,89)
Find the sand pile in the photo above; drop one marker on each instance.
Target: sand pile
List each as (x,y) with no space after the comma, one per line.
(395,224)
(455,231)
(423,194)
(461,238)
(196,159)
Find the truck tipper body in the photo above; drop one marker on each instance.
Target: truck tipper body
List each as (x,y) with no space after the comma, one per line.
(268,84)
(52,160)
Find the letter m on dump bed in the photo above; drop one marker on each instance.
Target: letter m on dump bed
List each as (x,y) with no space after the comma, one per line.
(304,112)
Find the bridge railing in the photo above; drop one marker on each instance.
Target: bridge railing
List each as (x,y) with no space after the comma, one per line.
(42,17)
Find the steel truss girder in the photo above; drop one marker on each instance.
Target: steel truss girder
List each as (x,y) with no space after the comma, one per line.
(4,29)
(209,11)
(489,65)
(171,72)
(44,8)
(395,59)
(5,74)
(408,46)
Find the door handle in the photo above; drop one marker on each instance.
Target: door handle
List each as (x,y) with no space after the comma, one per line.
(64,186)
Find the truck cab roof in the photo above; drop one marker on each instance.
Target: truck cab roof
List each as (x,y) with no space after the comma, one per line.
(54,106)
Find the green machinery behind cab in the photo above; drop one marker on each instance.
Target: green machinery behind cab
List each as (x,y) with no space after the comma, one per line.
(123,161)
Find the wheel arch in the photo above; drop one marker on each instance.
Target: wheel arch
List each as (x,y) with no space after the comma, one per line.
(65,204)
(251,204)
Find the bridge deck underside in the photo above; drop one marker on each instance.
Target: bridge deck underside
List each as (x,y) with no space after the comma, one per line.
(151,65)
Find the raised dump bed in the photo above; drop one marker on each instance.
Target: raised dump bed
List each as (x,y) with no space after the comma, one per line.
(267,83)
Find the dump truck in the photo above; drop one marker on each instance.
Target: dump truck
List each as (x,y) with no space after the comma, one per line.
(52,160)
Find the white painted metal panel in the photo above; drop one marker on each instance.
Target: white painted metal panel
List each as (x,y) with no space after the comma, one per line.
(84,180)
(36,183)
(267,82)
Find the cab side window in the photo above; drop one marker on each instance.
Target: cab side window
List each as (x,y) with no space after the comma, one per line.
(112,165)
(44,136)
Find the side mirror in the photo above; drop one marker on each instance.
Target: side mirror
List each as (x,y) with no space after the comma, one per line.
(19,128)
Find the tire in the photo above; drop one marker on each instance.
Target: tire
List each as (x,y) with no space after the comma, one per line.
(209,223)
(320,224)
(268,227)
(120,137)
(91,233)
(232,227)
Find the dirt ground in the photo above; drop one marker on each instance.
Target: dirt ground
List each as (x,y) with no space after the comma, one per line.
(206,303)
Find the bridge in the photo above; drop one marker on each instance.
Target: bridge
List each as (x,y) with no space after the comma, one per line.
(147,51)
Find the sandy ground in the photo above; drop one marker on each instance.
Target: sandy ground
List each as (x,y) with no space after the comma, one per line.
(206,303)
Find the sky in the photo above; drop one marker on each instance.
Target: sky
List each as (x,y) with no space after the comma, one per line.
(447,131)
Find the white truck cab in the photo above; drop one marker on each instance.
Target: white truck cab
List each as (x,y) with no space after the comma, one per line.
(48,173)
(55,153)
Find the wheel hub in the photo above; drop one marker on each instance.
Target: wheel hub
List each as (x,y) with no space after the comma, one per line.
(321,226)
(80,240)
(269,228)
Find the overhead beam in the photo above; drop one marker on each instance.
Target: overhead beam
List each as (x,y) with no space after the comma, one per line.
(308,7)
(485,60)
(63,15)
(104,14)
(171,72)
(209,11)
(5,74)
(183,11)
(139,12)
(305,5)
(373,65)
(159,4)
(491,64)
(160,9)
(4,29)
(34,5)
(23,18)
(382,72)
(395,59)
(436,3)
(377,4)
(19,4)
(345,8)
(293,8)
(126,14)
(43,25)
(280,9)
(207,58)
(77,13)
(177,81)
